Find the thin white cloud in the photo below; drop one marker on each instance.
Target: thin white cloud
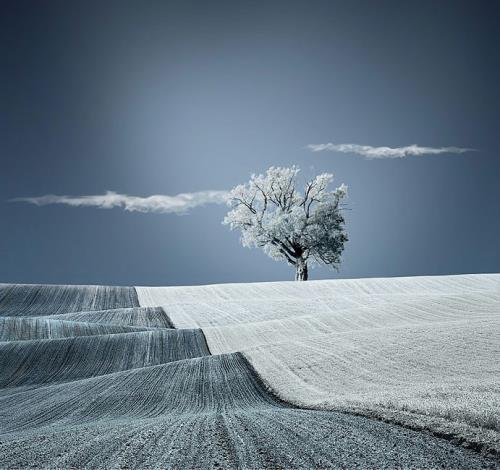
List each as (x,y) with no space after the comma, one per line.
(386,152)
(179,204)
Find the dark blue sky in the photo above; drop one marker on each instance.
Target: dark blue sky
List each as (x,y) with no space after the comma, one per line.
(167,97)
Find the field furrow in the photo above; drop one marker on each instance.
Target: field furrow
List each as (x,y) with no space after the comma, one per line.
(136,316)
(36,300)
(205,412)
(61,360)
(32,328)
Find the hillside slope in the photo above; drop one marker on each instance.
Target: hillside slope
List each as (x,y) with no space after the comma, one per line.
(420,351)
(96,377)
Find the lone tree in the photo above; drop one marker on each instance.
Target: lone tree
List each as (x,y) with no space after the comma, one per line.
(299,228)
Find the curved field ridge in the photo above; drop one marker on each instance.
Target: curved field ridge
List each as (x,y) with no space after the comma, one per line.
(138,316)
(21,328)
(34,299)
(61,360)
(205,412)
(426,369)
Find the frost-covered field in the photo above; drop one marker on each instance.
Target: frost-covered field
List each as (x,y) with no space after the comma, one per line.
(250,376)
(422,351)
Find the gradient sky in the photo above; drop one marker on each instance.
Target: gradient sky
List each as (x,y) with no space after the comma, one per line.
(163,97)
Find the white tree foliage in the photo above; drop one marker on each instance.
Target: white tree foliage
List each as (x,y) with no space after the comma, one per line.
(299,228)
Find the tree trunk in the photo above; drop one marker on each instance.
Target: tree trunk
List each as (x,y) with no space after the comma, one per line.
(301,273)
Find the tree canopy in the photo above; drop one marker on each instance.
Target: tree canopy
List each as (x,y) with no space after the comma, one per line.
(299,227)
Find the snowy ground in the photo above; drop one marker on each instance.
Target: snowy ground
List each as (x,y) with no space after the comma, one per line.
(251,375)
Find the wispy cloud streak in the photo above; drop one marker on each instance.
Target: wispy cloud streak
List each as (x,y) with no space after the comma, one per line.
(371,152)
(178,204)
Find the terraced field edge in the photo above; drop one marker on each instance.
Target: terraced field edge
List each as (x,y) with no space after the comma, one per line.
(470,438)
